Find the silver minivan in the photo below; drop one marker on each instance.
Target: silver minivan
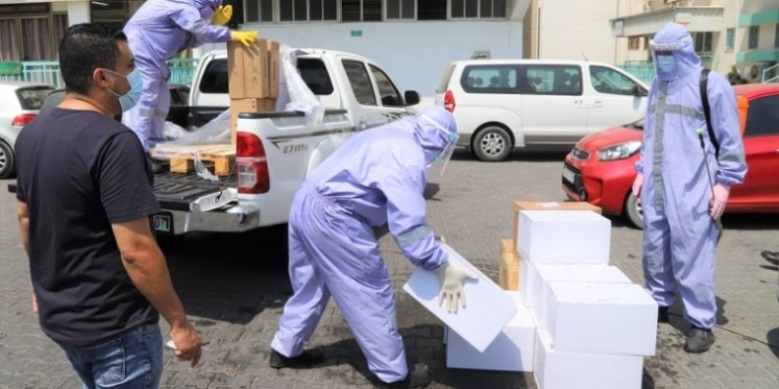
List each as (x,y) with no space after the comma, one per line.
(500,105)
(19,105)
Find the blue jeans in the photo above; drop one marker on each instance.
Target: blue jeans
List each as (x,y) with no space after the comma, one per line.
(130,360)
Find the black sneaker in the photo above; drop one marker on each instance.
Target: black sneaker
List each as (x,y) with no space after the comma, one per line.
(662,315)
(306,359)
(699,340)
(414,380)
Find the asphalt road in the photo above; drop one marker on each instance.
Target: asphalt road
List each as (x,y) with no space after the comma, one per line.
(234,288)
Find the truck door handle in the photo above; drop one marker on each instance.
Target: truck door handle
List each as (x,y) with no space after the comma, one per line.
(597,104)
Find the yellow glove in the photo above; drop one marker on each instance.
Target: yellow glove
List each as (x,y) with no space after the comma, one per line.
(245,37)
(222,15)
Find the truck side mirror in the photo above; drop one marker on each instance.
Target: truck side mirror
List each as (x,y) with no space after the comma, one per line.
(639,91)
(411,97)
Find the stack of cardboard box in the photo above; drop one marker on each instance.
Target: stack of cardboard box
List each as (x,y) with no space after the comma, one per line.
(253,74)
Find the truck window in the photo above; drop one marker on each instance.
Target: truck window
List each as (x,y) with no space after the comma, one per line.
(360,81)
(489,79)
(610,81)
(312,70)
(314,73)
(563,80)
(214,78)
(389,94)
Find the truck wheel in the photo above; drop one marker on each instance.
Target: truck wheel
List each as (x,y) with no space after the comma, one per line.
(633,211)
(492,143)
(7,164)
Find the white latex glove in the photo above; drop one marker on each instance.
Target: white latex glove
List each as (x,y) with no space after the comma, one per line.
(452,277)
(637,184)
(718,201)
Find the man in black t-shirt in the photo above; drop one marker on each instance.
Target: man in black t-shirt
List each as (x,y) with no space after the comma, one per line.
(85,197)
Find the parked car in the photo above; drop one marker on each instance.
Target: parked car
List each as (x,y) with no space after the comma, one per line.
(600,168)
(500,105)
(19,105)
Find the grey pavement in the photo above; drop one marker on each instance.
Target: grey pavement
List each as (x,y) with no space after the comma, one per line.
(234,288)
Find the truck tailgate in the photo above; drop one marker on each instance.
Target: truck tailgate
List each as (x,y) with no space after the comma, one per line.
(176,191)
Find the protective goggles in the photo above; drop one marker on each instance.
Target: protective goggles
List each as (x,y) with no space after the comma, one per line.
(670,46)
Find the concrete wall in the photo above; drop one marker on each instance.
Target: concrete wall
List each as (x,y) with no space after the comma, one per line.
(414,54)
(577,29)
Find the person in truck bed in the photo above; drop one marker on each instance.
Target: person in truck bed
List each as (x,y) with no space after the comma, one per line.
(377,177)
(156,32)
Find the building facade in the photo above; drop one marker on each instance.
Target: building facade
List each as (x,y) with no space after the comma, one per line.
(30,30)
(729,34)
(413,40)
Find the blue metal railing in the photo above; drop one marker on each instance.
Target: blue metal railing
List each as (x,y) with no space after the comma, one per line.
(48,72)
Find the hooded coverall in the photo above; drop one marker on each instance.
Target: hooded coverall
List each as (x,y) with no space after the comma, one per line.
(377,177)
(679,234)
(157,31)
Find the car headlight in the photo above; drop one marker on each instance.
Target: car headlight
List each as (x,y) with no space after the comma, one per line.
(620,151)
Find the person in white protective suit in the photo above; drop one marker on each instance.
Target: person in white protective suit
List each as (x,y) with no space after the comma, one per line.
(156,32)
(377,177)
(684,183)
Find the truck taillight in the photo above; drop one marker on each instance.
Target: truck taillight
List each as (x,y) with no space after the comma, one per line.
(251,164)
(22,119)
(449,101)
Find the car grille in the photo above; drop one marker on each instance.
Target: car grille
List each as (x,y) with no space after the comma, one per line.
(580,154)
(577,186)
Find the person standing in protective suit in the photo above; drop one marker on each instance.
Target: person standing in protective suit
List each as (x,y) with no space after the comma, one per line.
(377,177)
(159,30)
(684,189)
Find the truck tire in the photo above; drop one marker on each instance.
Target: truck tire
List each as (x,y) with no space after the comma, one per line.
(633,211)
(7,162)
(492,143)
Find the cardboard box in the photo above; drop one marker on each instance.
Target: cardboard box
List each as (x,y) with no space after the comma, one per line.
(549,206)
(251,71)
(554,369)
(599,274)
(512,350)
(488,311)
(274,63)
(509,265)
(564,237)
(602,318)
(238,106)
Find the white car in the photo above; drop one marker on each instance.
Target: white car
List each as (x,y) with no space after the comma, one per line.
(540,104)
(19,105)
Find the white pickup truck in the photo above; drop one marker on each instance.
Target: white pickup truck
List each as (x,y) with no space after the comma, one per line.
(275,151)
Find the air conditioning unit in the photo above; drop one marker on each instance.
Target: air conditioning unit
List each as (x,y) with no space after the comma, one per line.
(752,71)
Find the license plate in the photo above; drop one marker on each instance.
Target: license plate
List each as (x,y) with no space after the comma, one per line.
(569,175)
(163,223)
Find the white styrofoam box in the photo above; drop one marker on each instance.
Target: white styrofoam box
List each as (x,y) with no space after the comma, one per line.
(555,369)
(569,273)
(488,309)
(602,318)
(512,350)
(564,237)
(525,268)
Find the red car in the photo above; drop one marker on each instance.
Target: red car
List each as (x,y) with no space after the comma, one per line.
(600,168)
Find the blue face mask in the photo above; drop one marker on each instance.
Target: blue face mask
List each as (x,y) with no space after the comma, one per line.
(129,99)
(666,63)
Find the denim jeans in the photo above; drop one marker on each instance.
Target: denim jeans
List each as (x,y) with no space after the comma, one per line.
(130,360)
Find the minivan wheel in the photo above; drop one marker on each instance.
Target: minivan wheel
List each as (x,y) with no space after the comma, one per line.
(7,167)
(492,143)
(633,211)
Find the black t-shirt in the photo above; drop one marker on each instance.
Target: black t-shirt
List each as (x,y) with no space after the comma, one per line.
(79,172)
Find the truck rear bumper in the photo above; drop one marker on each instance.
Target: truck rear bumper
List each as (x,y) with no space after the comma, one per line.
(235,219)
